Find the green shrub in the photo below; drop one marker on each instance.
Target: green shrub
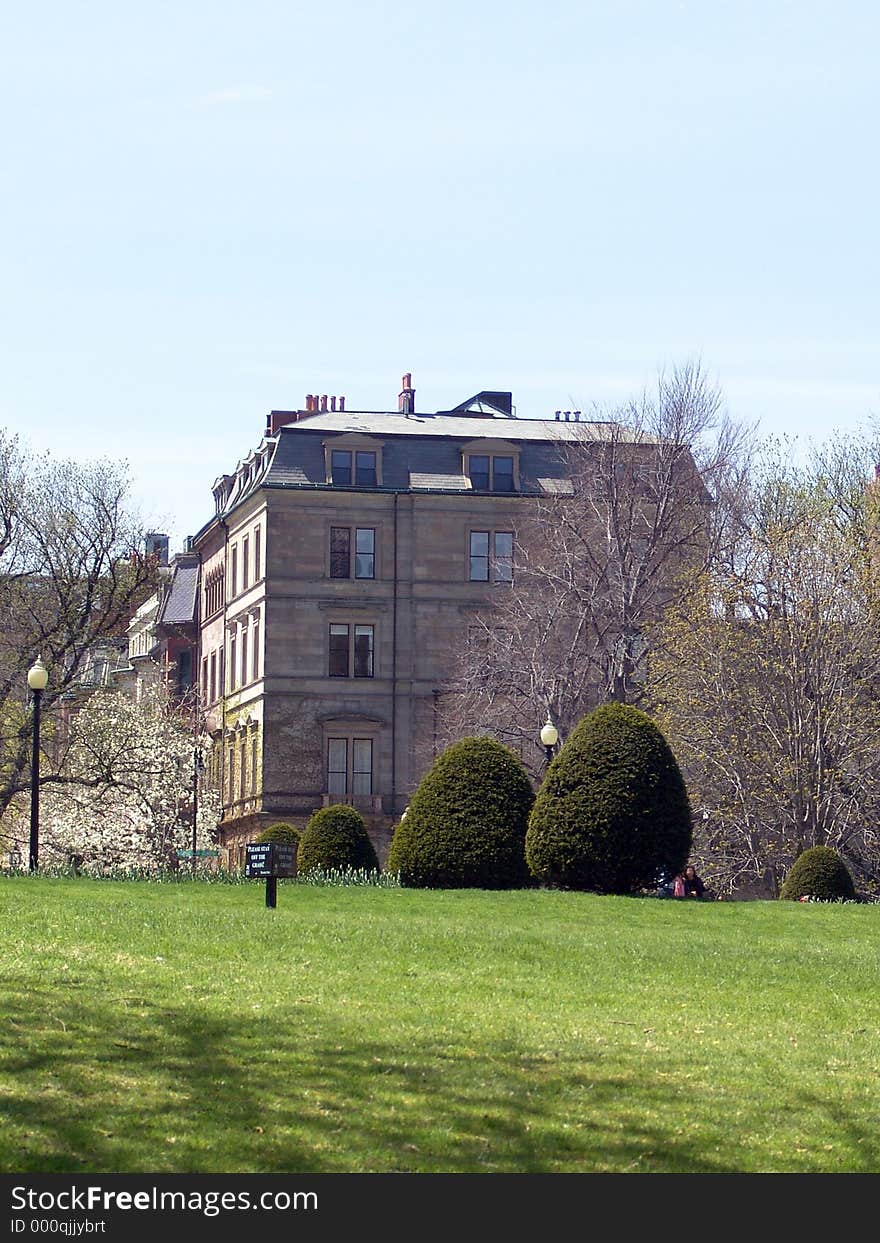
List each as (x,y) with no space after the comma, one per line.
(613,811)
(818,873)
(283,834)
(336,838)
(465,825)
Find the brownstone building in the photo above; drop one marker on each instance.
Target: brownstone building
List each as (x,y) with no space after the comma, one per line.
(345,558)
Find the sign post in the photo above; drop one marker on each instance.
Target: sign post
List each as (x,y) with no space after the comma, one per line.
(270,860)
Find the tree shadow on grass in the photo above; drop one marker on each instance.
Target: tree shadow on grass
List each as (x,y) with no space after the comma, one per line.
(123,1085)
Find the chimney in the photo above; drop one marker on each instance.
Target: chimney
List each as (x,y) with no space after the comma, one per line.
(341,403)
(558,415)
(281,418)
(406,402)
(323,403)
(567,415)
(309,400)
(333,404)
(577,416)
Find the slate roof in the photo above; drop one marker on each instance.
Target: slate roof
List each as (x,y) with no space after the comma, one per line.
(180,605)
(433,481)
(421,452)
(468,427)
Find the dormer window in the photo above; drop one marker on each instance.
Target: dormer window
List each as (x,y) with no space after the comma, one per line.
(353,463)
(480,472)
(502,474)
(491,472)
(365,469)
(340,467)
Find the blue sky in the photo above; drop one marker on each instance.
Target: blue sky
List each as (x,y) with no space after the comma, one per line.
(211,209)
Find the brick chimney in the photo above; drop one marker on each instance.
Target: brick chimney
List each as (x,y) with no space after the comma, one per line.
(406,402)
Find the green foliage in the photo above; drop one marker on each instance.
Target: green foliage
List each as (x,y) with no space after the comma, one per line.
(437,1009)
(466,823)
(283,834)
(613,811)
(818,873)
(336,838)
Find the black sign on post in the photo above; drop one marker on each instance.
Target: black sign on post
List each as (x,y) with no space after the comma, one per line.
(270,860)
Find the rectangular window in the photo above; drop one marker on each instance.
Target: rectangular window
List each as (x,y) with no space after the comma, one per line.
(337,766)
(254,753)
(245,564)
(257,550)
(362,766)
(502,566)
(365,469)
(363,651)
(340,552)
(256,646)
(338,651)
(340,466)
(491,474)
(231,774)
(364,552)
(491,556)
(233,572)
(213,695)
(242,771)
(502,474)
(203,689)
(479,473)
(351,650)
(232,666)
(479,569)
(357,779)
(364,545)
(244,657)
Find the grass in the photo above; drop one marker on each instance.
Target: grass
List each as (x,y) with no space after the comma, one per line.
(185,1028)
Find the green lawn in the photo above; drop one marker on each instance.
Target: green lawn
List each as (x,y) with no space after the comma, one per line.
(183,1028)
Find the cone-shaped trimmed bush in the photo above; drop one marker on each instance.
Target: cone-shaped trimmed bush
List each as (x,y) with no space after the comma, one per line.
(613,811)
(465,826)
(818,873)
(336,837)
(283,834)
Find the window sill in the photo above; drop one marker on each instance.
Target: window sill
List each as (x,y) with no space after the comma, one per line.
(362,802)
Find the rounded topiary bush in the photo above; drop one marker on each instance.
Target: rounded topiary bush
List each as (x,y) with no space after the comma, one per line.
(818,873)
(613,811)
(283,834)
(465,826)
(336,838)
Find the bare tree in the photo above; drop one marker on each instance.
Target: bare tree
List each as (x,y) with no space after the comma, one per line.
(71,573)
(647,495)
(769,673)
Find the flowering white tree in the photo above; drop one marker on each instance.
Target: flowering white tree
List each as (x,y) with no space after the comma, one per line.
(72,572)
(124,795)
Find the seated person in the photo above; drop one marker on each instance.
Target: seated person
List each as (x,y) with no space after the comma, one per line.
(693,886)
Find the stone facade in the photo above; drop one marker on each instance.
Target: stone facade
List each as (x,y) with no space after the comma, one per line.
(346,557)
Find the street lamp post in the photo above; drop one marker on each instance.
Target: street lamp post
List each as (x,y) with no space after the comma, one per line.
(198,769)
(549,738)
(38,678)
